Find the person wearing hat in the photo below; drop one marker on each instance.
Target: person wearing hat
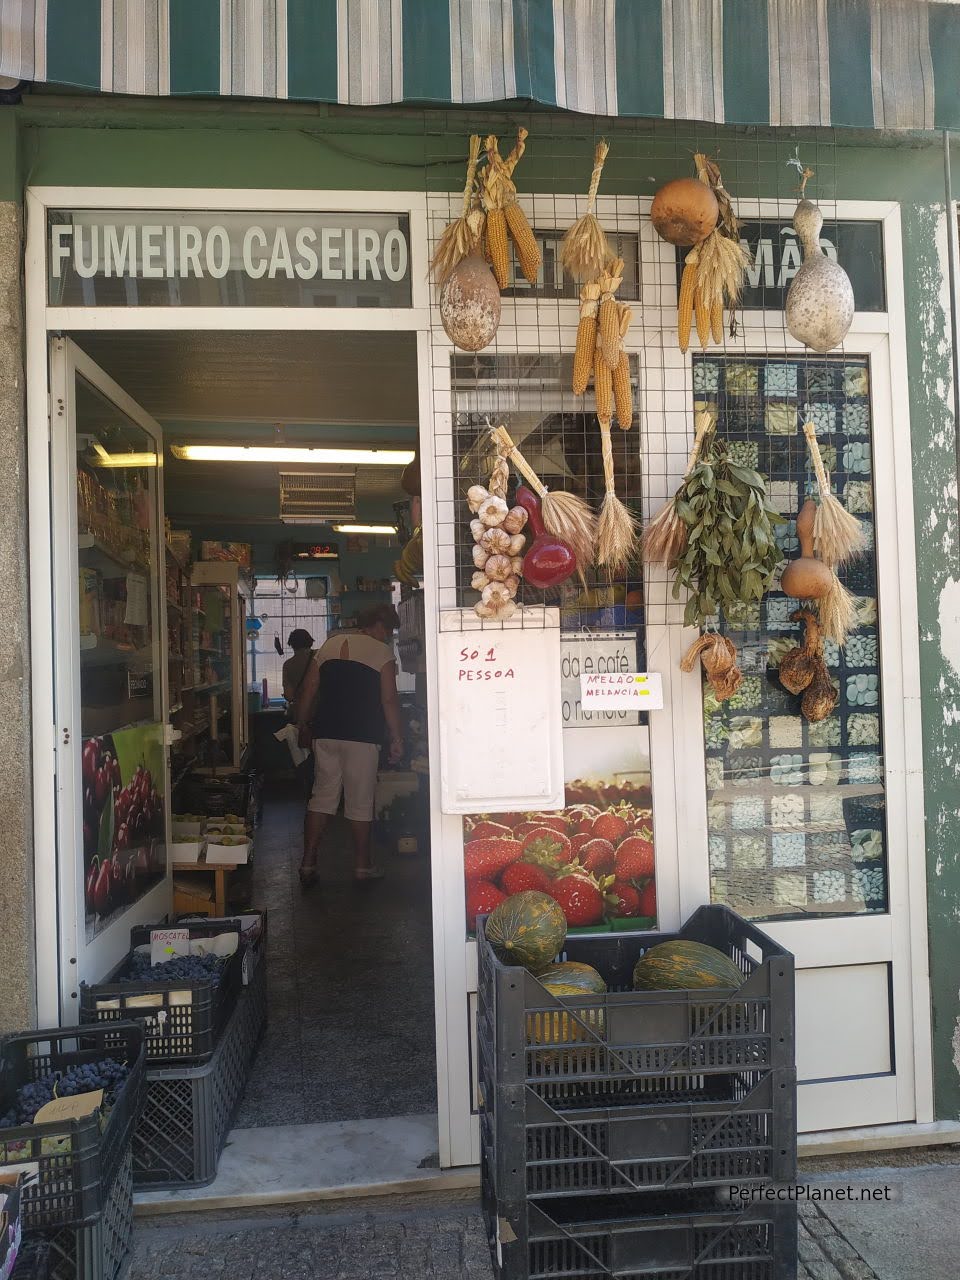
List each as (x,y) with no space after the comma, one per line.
(295,668)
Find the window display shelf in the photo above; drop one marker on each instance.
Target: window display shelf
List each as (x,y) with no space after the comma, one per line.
(98,555)
(99,651)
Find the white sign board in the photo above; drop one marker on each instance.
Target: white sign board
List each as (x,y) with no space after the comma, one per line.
(500,739)
(586,654)
(642,690)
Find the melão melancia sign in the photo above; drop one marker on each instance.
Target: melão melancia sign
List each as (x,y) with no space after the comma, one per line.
(168,258)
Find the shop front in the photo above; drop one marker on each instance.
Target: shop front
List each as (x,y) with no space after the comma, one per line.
(261,279)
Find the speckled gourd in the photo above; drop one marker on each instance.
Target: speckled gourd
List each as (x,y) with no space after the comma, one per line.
(820,305)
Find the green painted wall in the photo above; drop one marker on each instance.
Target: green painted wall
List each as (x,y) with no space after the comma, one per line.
(95,142)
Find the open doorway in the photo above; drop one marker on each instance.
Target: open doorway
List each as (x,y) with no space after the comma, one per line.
(257,550)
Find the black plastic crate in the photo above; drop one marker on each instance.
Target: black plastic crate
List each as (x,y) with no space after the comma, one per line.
(745,1133)
(683,1236)
(99,1249)
(78,1159)
(189,1111)
(217,795)
(637,1043)
(33,1260)
(182,1020)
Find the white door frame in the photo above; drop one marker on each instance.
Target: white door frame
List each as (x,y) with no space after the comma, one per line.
(455,964)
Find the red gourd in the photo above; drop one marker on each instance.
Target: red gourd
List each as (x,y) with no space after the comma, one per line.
(549,560)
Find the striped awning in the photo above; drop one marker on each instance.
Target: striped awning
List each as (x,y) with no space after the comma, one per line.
(883,64)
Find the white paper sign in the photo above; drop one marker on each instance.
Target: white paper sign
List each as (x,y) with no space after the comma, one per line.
(136,613)
(167,943)
(642,690)
(500,738)
(592,654)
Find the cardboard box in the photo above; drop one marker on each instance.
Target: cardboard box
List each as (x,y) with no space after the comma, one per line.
(186,850)
(220,854)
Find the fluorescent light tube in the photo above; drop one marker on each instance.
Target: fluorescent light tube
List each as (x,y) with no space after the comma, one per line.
(365,528)
(290,453)
(105,459)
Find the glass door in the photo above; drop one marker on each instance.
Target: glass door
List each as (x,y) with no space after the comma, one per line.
(111,669)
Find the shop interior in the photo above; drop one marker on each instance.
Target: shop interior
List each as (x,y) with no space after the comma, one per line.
(254,550)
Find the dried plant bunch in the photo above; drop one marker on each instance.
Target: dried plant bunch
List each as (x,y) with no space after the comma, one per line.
(497,573)
(584,250)
(838,536)
(730,556)
(838,612)
(714,269)
(498,195)
(618,540)
(464,235)
(665,536)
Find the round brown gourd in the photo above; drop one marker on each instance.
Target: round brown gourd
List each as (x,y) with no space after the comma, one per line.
(806,578)
(685,211)
(470,305)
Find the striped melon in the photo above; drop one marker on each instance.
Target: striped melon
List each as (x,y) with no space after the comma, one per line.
(684,966)
(575,978)
(528,929)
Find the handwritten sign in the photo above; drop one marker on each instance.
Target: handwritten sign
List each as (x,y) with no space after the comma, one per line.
(166,943)
(71,1108)
(500,741)
(634,689)
(585,655)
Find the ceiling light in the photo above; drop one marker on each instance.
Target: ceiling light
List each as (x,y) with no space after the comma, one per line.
(290,453)
(104,459)
(390,529)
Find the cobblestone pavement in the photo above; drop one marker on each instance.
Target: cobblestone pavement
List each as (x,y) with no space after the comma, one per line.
(420,1238)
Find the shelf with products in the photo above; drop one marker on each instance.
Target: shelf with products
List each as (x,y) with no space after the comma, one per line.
(113,561)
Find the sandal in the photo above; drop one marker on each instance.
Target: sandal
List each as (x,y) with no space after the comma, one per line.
(363,874)
(307,872)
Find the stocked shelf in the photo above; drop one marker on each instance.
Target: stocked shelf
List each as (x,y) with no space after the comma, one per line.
(107,559)
(100,651)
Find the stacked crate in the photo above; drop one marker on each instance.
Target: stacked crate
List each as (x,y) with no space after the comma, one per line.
(77,1215)
(201,1040)
(613,1127)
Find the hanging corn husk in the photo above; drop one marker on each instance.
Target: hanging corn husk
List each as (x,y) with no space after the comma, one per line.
(499,199)
(584,250)
(719,658)
(714,270)
(608,317)
(617,530)
(464,235)
(665,536)
(586,337)
(837,535)
(565,515)
(622,391)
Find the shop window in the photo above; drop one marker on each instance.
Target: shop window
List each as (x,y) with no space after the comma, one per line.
(796,809)
(606,754)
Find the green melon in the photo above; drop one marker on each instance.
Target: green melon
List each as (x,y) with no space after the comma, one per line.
(575,978)
(684,966)
(528,929)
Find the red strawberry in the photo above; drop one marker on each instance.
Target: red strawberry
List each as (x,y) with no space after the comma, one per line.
(648,899)
(547,848)
(510,819)
(482,897)
(486,830)
(582,818)
(578,841)
(579,898)
(523,829)
(611,826)
(597,856)
(525,875)
(626,900)
(555,821)
(635,860)
(485,859)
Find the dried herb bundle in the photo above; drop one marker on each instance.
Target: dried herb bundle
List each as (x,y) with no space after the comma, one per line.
(730,555)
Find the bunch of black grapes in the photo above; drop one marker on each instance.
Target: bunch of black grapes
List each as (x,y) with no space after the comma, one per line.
(108,1075)
(178,969)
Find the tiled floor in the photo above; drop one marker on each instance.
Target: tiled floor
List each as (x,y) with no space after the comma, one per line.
(351,1022)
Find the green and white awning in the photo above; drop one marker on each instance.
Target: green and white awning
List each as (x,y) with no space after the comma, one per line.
(883,64)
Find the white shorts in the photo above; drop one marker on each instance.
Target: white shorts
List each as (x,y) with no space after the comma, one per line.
(347,766)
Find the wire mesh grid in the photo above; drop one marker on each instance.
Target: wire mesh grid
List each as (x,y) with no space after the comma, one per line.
(778,846)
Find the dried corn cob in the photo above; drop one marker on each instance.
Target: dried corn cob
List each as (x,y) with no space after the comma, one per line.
(497,249)
(603,386)
(701,310)
(586,337)
(608,337)
(622,392)
(524,241)
(716,320)
(688,287)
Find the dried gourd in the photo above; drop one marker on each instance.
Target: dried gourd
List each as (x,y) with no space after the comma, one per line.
(798,665)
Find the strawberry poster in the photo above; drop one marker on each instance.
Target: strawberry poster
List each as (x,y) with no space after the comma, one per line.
(124,849)
(595,856)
